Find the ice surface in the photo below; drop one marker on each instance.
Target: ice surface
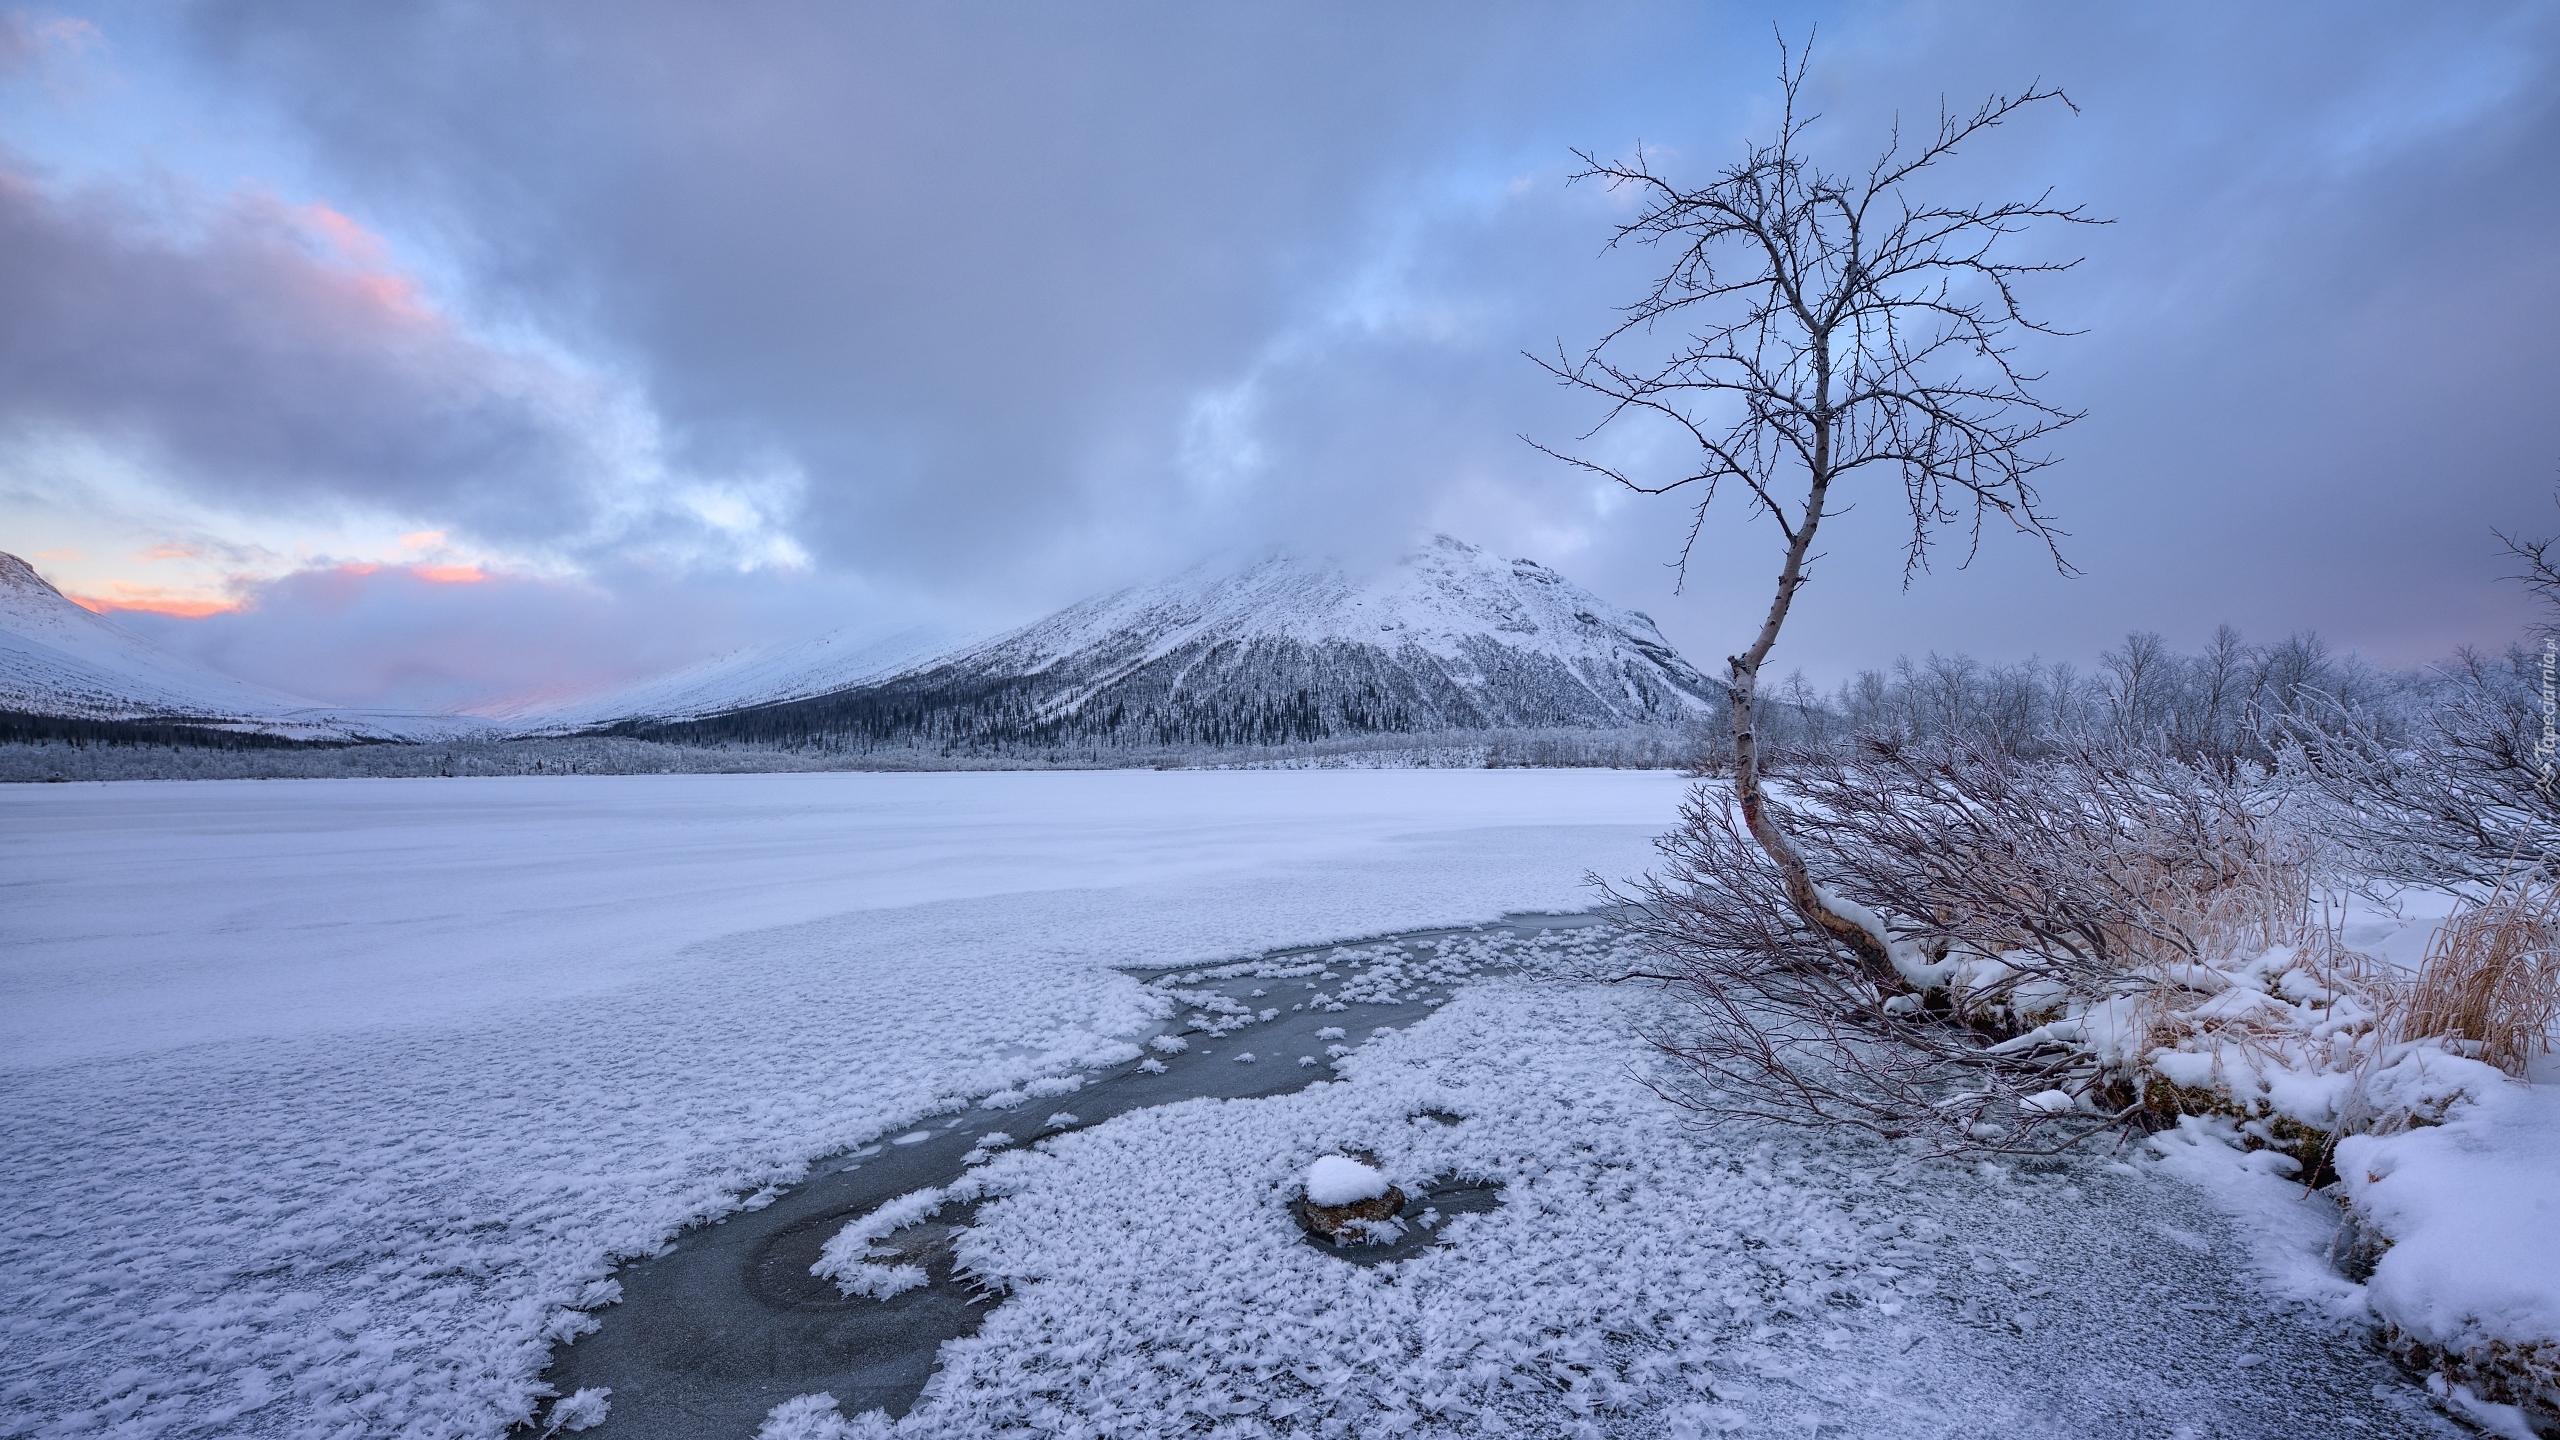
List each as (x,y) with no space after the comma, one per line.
(331,1102)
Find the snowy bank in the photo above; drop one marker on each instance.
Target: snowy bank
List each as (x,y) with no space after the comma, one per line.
(2469,1287)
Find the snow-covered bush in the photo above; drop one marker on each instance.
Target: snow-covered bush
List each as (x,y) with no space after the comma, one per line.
(2111,936)
(2104,935)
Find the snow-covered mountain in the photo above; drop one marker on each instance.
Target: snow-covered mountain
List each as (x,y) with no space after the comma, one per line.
(59,660)
(1282,649)
(1277,650)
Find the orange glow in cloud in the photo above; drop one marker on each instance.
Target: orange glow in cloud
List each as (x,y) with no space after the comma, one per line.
(157,602)
(166,551)
(117,595)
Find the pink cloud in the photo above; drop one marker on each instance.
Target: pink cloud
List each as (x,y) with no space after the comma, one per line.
(143,599)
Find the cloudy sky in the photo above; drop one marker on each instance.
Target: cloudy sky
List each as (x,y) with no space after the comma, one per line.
(431,354)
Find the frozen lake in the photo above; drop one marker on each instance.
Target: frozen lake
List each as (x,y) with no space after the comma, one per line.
(331,1106)
(324,1097)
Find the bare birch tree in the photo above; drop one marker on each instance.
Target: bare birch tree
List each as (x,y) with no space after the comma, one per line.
(1837,329)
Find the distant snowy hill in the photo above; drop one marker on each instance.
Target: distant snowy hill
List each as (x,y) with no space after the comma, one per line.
(60,661)
(764,675)
(1276,651)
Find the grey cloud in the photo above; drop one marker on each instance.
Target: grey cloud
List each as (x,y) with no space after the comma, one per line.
(984,276)
(969,267)
(266,373)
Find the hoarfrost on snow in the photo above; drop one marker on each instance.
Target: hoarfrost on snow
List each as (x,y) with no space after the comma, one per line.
(817,1417)
(847,1257)
(584,1410)
(880,1282)
(201,1200)
(1634,1262)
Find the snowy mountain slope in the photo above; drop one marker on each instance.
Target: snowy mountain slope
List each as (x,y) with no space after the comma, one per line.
(1279,650)
(57,659)
(764,675)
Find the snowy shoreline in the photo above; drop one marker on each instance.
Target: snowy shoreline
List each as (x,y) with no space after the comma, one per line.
(734,1308)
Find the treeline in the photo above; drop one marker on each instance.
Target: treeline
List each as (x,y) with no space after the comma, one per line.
(2226,702)
(1658,747)
(18,727)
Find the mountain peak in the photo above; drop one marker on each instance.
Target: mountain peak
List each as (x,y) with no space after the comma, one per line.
(17,574)
(1277,648)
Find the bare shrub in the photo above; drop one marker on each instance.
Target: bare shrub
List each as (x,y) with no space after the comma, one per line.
(2467,798)
(2491,978)
(2050,917)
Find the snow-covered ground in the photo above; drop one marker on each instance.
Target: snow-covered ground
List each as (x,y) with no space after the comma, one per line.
(324,1098)
(1640,1278)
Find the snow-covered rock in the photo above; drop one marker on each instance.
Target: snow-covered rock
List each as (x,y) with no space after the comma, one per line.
(1340,1180)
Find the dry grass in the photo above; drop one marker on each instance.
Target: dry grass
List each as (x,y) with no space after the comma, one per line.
(2491,977)
(2253,895)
